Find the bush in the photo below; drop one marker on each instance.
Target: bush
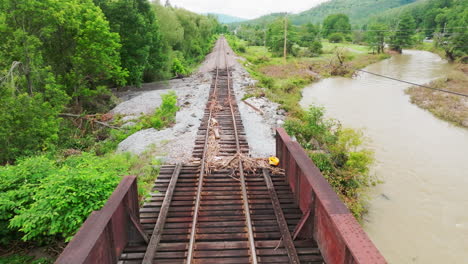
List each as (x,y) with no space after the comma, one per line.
(23,259)
(337,152)
(178,68)
(336,37)
(316,48)
(43,199)
(165,114)
(29,124)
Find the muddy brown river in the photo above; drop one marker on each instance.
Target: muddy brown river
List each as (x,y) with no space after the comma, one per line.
(420,213)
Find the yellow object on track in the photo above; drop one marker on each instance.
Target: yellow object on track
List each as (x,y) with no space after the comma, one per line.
(273,161)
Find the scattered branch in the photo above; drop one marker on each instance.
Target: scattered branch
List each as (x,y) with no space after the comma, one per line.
(90,118)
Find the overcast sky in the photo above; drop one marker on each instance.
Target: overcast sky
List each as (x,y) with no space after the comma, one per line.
(245,8)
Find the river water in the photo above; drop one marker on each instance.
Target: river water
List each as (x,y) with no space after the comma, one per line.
(420,213)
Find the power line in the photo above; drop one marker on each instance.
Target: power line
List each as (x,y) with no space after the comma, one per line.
(415,84)
(394,30)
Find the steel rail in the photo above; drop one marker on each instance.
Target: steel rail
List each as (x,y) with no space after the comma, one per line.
(281,220)
(202,174)
(248,220)
(159,227)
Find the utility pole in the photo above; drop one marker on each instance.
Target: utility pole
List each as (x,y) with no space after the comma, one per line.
(285,35)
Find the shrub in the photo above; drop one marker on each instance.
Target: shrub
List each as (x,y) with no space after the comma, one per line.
(178,68)
(22,259)
(165,114)
(42,198)
(316,48)
(266,82)
(336,37)
(337,152)
(29,124)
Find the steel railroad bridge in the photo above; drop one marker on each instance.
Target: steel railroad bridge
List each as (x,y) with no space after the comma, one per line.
(202,215)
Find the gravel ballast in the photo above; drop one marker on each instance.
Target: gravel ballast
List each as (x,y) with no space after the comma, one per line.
(176,143)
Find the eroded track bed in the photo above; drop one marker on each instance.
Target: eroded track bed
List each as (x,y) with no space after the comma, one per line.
(199,214)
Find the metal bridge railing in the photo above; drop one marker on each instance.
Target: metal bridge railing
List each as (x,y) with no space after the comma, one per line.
(325,217)
(103,236)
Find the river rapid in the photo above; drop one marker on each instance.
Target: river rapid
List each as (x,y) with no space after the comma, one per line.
(419,214)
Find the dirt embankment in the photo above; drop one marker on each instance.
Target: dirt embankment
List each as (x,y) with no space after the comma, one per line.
(449,107)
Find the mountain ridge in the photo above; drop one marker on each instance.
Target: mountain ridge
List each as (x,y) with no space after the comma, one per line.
(226,19)
(358,11)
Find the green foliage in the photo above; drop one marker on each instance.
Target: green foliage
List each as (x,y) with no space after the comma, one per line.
(142,45)
(187,37)
(43,198)
(165,114)
(309,33)
(337,152)
(254,35)
(29,123)
(443,21)
(178,69)
(23,259)
(336,23)
(316,48)
(336,37)
(33,34)
(275,36)
(403,36)
(357,10)
(376,36)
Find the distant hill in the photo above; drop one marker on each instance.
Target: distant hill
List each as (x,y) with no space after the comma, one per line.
(263,20)
(226,19)
(394,13)
(358,11)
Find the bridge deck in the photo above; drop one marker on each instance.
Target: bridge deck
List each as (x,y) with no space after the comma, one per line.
(222,237)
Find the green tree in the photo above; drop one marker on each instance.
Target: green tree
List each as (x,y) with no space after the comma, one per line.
(142,47)
(336,37)
(50,51)
(308,33)
(376,36)
(453,36)
(33,34)
(336,23)
(275,36)
(403,36)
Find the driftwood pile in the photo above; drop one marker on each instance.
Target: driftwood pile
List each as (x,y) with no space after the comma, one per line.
(214,161)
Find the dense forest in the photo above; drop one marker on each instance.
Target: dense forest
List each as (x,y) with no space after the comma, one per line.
(357,10)
(59,61)
(61,56)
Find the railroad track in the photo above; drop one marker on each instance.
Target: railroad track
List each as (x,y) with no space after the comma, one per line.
(204,215)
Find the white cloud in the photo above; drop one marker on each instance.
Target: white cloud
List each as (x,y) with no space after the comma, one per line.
(245,8)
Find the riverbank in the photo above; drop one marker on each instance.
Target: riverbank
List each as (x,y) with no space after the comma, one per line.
(338,152)
(420,159)
(282,80)
(448,107)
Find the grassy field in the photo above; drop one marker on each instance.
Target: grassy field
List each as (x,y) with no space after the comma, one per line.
(353,48)
(284,79)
